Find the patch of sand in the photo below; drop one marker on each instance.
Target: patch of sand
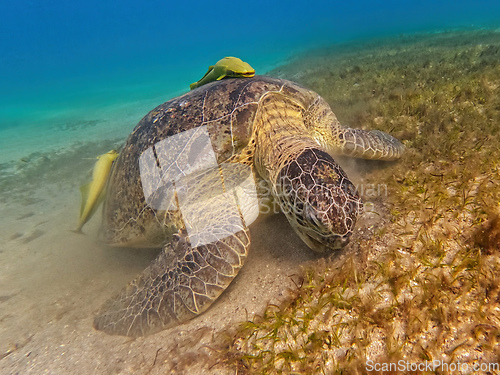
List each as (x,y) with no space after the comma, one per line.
(52,281)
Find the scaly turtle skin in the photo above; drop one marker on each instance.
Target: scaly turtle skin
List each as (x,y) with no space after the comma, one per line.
(186,181)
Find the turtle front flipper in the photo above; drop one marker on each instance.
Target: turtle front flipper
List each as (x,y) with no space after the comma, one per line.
(370,144)
(179,284)
(200,261)
(338,139)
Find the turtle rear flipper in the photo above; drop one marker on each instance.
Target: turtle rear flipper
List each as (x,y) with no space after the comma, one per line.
(370,144)
(179,284)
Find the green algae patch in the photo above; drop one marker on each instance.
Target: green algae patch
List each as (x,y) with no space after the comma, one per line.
(423,284)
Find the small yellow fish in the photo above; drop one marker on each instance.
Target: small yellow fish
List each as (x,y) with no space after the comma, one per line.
(93,193)
(226,67)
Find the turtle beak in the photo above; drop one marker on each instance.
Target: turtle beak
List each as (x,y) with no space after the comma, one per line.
(315,245)
(312,243)
(326,245)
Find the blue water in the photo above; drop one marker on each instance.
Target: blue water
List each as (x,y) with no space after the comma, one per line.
(67,55)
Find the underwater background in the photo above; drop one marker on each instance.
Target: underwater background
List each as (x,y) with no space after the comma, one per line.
(67,59)
(420,279)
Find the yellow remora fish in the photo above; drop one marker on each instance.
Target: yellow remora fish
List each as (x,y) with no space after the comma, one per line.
(93,193)
(226,67)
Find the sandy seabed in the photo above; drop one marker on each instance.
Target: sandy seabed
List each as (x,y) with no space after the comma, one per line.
(52,280)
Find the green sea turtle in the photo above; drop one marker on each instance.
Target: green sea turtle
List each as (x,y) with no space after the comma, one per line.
(187,177)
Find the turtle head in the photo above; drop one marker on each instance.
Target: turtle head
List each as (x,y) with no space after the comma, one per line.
(318,200)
